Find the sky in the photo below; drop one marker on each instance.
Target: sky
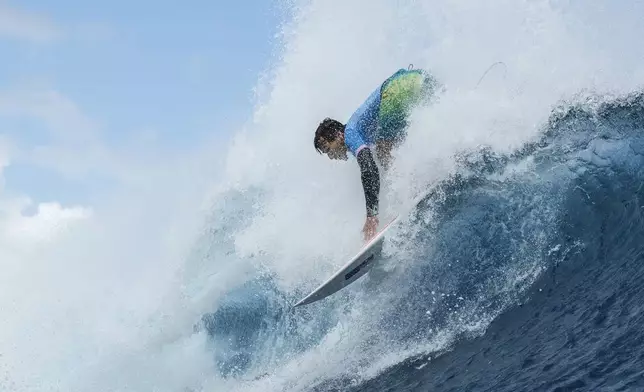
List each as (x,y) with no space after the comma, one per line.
(89,89)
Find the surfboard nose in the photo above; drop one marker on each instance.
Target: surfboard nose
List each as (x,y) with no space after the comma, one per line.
(359,265)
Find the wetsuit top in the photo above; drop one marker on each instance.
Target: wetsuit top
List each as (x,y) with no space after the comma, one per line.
(362,126)
(382,115)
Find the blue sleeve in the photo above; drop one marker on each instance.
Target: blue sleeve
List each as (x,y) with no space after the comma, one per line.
(360,128)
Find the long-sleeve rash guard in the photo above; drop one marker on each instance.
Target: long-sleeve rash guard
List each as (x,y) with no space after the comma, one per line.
(370,180)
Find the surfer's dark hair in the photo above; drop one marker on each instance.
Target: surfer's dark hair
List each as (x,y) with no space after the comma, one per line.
(327,130)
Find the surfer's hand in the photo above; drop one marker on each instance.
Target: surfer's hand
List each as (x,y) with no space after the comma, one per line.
(370,227)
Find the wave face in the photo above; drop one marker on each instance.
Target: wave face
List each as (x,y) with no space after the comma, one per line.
(576,214)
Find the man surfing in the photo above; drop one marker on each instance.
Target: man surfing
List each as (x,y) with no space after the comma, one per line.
(378,125)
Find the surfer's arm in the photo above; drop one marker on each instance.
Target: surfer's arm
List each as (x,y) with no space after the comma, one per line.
(370,180)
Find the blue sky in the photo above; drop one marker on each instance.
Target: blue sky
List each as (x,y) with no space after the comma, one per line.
(77,74)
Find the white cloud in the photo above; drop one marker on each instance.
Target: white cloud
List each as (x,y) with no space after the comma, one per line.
(75,147)
(62,118)
(23,25)
(19,227)
(50,220)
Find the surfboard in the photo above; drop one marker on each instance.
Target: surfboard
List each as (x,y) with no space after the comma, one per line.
(360,264)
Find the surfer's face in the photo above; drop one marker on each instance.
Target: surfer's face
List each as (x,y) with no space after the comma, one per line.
(335,149)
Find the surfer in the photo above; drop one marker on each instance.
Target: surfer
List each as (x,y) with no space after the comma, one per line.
(377,126)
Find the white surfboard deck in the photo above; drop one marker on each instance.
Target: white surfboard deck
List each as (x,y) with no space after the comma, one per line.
(351,271)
